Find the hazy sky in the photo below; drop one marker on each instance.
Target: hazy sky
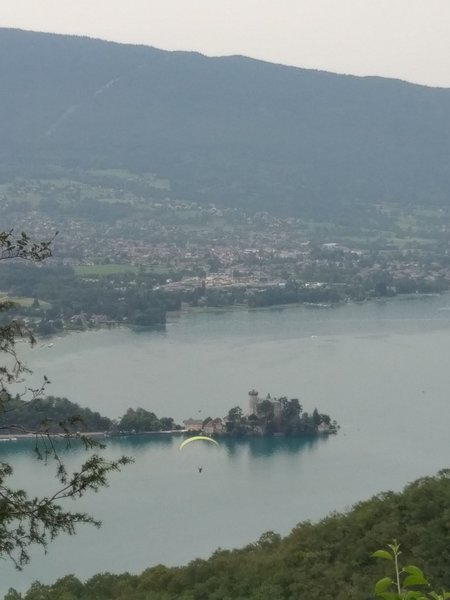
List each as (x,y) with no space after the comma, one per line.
(406,39)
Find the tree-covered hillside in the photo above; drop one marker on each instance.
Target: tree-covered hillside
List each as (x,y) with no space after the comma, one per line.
(50,414)
(330,560)
(229,130)
(60,416)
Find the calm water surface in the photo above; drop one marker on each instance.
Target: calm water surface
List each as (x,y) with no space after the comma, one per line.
(380,369)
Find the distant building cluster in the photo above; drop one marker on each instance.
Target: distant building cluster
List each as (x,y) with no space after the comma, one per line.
(209,426)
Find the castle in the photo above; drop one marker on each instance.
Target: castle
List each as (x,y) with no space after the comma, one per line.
(254,401)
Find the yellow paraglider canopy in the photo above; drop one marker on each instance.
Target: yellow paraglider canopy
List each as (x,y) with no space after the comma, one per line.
(197,437)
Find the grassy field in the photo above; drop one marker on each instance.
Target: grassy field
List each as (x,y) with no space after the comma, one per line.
(25,301)
(127,176)
(89,270)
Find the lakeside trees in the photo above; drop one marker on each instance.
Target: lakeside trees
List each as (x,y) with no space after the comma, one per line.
(48,414)
(79,303)
(140,420)
(24,519)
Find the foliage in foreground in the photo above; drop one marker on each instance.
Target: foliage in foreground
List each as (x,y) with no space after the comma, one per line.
(330,560)
(25,519)
(408,582)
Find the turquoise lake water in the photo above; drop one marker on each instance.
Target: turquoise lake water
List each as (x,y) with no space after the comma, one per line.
(380,368)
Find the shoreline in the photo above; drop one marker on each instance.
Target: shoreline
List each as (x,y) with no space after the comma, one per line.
(173,316)
(94,434)
(175,432)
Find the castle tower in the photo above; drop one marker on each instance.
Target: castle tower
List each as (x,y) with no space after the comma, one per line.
(252,402)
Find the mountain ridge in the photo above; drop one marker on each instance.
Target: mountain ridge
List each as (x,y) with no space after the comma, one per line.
(229,130)
(217,56)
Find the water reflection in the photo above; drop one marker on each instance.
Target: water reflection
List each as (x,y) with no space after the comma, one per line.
(255,447)
(139,441)
(265,447)
(154,329)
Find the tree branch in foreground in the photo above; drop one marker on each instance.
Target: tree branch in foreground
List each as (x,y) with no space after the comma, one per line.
(25,521)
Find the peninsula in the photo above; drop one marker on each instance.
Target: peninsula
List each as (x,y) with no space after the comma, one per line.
(264,417)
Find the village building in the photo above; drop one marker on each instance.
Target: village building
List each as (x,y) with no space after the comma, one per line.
(193,424)
(213,426)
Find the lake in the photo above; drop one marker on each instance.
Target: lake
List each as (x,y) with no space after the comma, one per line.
(379,368)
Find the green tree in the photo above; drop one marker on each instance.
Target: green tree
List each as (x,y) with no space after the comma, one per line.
(235,415)
(167,423)
(405,583)
(234,420)
(25,519)
(290,415)
(139,420)
(265,409)
(266,413)
(316,418)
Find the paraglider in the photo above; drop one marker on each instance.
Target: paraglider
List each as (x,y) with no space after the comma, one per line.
(198,437)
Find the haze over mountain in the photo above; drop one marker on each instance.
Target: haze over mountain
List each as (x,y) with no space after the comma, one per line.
(232,130)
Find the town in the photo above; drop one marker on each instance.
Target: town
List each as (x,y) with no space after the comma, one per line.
(128,253)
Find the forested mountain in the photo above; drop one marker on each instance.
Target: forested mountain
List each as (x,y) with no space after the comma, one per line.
(330,560)
(228,130)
